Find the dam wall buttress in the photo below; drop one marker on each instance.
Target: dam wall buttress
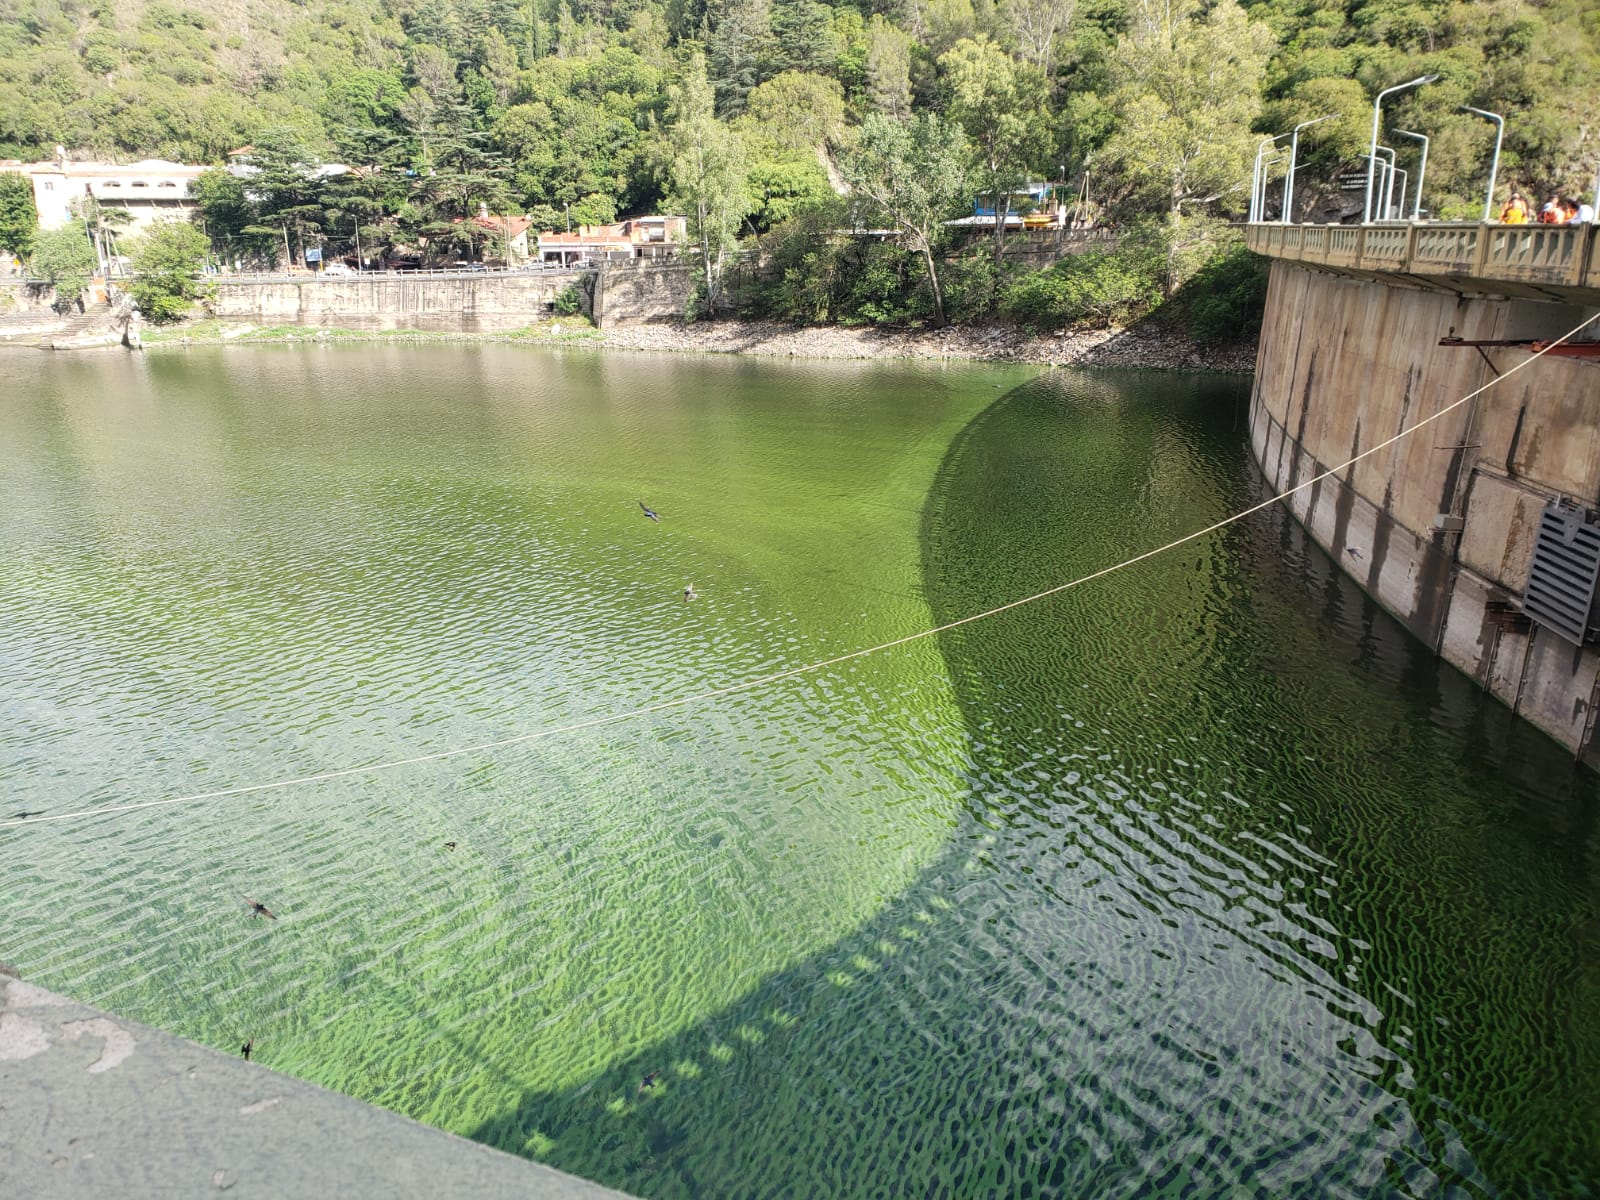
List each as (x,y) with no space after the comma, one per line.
(1439,528)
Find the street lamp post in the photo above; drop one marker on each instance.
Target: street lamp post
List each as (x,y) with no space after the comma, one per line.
(1271,161)
(1255,179)
(1387,188)
(1381,174)
(1494,163)
(1261,186)
(1294,149)
(1377,105)
(1422,171)
(1258,180)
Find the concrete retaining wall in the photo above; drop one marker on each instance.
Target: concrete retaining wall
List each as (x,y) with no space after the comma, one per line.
(631,293)
(465,303)
(459,303)
(1345,364)
(18,295)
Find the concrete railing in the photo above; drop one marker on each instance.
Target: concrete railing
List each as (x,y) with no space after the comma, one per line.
(1552,255)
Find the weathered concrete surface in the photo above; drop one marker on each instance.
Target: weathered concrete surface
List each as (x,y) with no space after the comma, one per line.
(626,294)
(1344,364)
(615,294)
(462,303)
(93,1106)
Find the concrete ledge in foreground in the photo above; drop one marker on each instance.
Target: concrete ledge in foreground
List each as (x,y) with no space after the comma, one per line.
(92,1105)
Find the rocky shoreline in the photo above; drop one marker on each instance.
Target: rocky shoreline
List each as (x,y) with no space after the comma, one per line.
(1144,348)
(1149,349)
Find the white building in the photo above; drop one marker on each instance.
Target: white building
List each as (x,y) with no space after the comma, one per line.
(148,191)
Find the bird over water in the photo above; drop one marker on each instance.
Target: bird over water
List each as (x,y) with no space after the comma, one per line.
(650,512)
(258,909)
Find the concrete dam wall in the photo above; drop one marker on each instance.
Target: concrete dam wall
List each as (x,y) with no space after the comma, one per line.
(1440,528)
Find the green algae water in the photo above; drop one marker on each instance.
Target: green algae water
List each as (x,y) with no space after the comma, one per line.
(1198,880)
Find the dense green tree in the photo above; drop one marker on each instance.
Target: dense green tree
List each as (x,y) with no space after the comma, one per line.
(704,167)
(282,173)
(66,258)
(787,126)
(738,50)
(1033,28)
(888,69)
(361,110)
(167,261)
(913,174)
(18,220)
(1001,105)
(782,188)
(795,111)
(1187,91)
(500,66)
(805,37)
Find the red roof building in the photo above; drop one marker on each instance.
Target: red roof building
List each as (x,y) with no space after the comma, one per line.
(637,237)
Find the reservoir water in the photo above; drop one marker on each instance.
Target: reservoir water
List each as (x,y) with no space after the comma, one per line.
(1201,879)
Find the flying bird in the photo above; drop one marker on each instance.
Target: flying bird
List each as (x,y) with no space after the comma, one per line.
(449,845)
(649,1081)
(25,813)
(650,512)
(246,1048)
(257,909)
(690,594)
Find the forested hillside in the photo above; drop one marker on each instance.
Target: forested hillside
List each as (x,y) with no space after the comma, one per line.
(751,113)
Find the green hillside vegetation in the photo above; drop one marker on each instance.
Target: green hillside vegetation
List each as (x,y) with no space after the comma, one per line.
(748,116)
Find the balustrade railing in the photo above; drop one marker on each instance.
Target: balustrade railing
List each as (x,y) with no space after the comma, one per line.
(1446,249)
(1538,253)
(1344,246)
(1386,248)
(1562,255)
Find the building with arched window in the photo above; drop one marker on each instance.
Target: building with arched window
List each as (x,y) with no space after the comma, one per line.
(148,191)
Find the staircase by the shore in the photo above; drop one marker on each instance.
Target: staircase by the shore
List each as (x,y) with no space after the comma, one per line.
(46,329)
(94,326)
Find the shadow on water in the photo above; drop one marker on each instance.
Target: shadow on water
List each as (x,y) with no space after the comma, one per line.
(1249,896)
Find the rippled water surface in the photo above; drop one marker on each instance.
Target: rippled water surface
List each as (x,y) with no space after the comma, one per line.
(1197,880)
